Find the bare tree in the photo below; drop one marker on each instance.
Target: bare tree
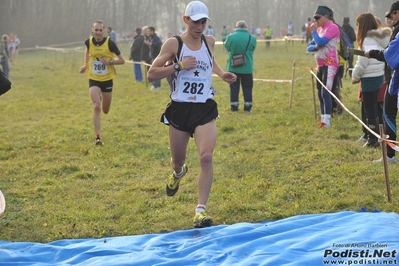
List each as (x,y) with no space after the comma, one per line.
(46,22)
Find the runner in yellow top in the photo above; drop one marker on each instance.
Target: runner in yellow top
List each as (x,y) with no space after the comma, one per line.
(99,61)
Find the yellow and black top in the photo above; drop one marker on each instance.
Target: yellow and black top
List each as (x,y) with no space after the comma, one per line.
(97,70)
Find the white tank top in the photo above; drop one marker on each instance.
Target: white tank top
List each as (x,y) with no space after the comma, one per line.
(193,85)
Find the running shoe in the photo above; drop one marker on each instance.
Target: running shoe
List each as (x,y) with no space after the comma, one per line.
(201,220)
(153,88)
(173,183)
(372,143)
(99,142)
(393,160)
(323,125)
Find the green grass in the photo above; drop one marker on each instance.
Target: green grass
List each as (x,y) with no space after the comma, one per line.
(271,164)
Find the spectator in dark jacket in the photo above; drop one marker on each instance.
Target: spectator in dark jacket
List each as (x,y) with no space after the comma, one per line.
(155,48)
(350,32)
(111,34)
(135,54)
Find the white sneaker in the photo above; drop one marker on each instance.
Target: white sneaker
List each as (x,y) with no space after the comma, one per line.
(154,88)
(394,160)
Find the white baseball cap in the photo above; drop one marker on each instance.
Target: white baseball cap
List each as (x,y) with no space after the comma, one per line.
(197,10)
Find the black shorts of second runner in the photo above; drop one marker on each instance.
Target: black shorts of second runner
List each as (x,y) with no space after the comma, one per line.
(105,86)
(187,116)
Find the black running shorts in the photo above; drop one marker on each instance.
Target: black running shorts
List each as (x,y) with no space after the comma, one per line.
(105,86)
(187,116)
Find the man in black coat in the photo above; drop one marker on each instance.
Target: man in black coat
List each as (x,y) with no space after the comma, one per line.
(350,32)
(155,49)
(135,54)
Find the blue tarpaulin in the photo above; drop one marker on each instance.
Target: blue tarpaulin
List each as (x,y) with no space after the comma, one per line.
(343,238)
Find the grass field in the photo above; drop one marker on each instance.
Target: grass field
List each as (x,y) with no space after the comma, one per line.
(270,164)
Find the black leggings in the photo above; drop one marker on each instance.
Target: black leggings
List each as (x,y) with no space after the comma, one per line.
(390,112)
(325,74)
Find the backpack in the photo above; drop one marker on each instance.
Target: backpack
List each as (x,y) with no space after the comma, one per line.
(181,46)
(170,78)
(344,43)
(304,27)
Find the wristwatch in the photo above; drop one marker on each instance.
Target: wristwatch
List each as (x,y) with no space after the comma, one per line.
(177,66)
(111,62)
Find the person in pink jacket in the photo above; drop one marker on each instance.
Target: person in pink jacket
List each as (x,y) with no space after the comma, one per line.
(325,42)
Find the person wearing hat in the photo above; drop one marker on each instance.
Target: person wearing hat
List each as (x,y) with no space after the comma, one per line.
(324,45)
(391,97)
(187,62)
(388,21)
(135,54)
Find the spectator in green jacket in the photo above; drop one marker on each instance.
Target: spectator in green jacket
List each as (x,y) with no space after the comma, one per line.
(268,35)
(4,55)
(241,42)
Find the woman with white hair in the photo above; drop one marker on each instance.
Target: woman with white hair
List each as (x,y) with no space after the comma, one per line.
(241,42)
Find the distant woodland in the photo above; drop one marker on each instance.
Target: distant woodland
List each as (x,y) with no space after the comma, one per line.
(48,22)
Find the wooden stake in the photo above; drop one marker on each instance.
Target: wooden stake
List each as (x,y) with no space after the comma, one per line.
(292,82)
(314,97)
(145,75)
